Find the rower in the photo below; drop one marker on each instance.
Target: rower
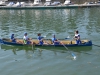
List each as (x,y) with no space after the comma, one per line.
(56,42)
(25,38)
(41,41)
(40,38)
(29,42)
(53,39)
(13,38)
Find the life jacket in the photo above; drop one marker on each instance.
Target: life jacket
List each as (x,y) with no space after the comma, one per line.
(77,35)
(39,37)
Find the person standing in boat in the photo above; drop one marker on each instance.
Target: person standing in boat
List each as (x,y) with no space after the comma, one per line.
(77,37)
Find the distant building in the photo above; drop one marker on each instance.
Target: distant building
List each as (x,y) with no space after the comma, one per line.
(62,1)
(41,0)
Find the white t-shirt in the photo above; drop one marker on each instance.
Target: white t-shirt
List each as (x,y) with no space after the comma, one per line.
(25,37)
(77,35)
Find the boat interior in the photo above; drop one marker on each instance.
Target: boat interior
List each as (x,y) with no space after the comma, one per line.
(49,41)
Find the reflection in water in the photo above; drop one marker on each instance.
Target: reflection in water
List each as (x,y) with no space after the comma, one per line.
(60,21)
(28,50)
(29,54)
(37,14)
(38,52)
(14,51)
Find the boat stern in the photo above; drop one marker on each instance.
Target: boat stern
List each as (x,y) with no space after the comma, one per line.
(1,41)
(89,43)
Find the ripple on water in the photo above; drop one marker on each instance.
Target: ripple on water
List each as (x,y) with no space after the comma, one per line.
(63,23)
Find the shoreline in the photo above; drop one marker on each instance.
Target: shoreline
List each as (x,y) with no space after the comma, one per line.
(51,7)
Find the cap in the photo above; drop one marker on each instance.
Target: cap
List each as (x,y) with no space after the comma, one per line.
(53,34)
(25,33)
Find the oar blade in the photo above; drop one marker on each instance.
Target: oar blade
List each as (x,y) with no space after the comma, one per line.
(67,37)
(44,36)
(73,55)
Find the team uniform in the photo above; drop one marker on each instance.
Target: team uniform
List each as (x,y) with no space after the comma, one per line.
(40,40)
(78,41)
(53,39)
(28,42)
(56,43)
(13,39)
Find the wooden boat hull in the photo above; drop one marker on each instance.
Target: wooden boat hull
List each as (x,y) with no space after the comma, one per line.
(66,43)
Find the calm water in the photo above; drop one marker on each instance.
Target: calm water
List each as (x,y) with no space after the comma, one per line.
(50,61)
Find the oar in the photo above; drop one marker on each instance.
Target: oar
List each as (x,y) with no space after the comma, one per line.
(69,51)
(44,36)
(32,46)
(96,45)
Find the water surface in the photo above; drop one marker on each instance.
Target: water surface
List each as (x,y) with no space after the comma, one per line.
(50,61)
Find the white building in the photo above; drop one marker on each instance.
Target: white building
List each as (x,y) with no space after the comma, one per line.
(37,2)
(67,2)
(47,3)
